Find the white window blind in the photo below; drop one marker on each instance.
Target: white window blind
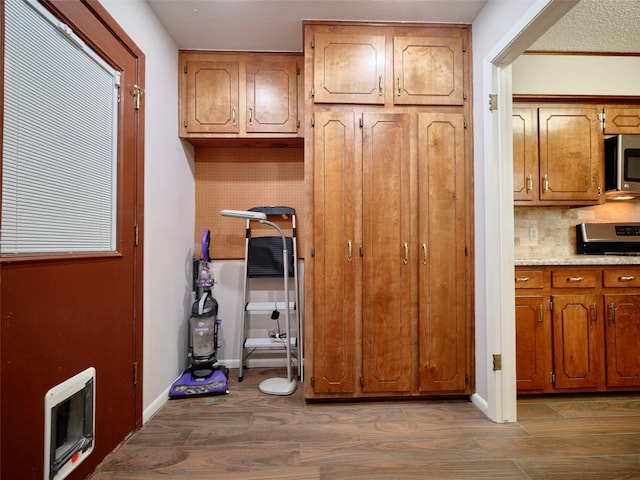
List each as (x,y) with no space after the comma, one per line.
(59,165)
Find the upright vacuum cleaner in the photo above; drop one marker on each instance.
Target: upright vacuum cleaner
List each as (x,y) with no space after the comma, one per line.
(203,376)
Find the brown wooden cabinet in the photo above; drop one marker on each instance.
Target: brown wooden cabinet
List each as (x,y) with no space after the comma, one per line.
(532,331)
(231,95)
(441,254)
(578,342)
(621,119)
(558,155)
(622,326)
(590,343)
(389,282)
(351,65)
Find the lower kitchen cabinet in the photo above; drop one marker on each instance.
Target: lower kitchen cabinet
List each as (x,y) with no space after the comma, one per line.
(578,344)
(622,330)
(577,329)
(531,344)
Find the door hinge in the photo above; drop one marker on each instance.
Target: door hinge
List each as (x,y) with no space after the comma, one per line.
(466,124)
(466,379)
(466,251)
(602,117)
(297,69)
(313,251)
(313,381)
(497,362)
(550,305)
(137,94)
(361,381)
(313,121)
(361,122)
(313,43)
(552,377)
(464,95)
(493,102)
(185,70)
(135,373)
(313,92)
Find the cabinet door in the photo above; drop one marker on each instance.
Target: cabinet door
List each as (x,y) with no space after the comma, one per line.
(622,333)
(349,68)
(335,261)
(272,105)
(622,120)
(386,273)
(428,71)
(577,341)
(571,158)
(440,253)
(531,345)
(212,96)
(525,153)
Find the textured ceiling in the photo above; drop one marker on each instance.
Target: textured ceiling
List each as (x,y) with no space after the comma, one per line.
(276,25)
(595,26)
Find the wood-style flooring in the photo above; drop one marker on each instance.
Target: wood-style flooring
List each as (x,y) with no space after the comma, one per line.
(247,435)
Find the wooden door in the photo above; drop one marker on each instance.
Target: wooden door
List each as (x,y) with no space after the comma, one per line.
(428,71)
(62,313)
(386,272)
(622,332)
(272,96)
(531,344)
(336,259)
(571,158)
(349,68)
(440,253)
(577,341)
(211,96)
(622,120)
(525,154)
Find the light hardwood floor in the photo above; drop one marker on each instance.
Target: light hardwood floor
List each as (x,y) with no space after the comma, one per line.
(247,435)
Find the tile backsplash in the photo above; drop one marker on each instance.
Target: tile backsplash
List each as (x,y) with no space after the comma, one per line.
(550,231)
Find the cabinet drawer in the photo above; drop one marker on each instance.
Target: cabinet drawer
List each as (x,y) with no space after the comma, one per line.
(529,279)
(621,277)
(573,278)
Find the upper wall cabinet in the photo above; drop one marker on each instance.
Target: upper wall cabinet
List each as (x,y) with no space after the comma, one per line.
(558,155)
(225,95)
(621,119)
(380,65)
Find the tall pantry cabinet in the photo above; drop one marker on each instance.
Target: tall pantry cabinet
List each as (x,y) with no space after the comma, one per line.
(388,165)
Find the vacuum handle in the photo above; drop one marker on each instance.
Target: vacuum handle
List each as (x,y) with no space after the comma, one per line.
(206,241)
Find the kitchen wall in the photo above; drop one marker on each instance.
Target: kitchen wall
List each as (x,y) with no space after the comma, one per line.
(550,232)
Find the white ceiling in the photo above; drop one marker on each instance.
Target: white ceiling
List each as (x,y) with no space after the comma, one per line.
(276,25)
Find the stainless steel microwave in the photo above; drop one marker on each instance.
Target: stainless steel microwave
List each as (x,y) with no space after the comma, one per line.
(622,166)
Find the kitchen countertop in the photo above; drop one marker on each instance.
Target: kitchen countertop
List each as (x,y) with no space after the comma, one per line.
(578,260)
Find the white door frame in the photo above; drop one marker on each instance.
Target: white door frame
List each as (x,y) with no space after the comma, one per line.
(500,404)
